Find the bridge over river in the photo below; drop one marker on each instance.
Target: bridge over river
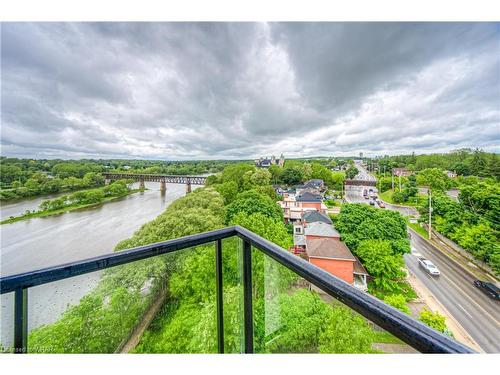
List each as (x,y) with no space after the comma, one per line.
(161,178)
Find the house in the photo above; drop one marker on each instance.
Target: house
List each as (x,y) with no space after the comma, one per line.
(403,172)
(315,216)
(316,240)
(333,256)
(265,162)
(451,174)
(310,199)
(303,232)
(295,205)
(315,184)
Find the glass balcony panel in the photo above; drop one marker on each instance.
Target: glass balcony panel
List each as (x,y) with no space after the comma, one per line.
(164,304)
(232,295)
(293,316)
(187,319)
(7,323)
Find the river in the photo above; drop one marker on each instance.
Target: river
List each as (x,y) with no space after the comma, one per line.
(43,242)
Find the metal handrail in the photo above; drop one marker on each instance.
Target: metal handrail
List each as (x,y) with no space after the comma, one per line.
(409,330)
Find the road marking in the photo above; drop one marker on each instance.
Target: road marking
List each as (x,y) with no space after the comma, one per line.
(459,305)
(471,300)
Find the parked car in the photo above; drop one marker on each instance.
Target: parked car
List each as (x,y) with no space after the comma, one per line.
(489,288)
(428,267)
(381,204)
(372,203)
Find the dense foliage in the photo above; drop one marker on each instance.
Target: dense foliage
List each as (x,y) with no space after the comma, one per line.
(464,162)
(433,320)
(41,183)
(28,177)
(351,173)
(473,221)
(186,322)
(379,239)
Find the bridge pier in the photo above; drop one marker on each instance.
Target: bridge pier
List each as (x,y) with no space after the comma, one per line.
(188,187)
(107,181)
(163,186)
(141,184)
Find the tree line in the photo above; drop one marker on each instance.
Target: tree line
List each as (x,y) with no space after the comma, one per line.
(464,162)
(20,178)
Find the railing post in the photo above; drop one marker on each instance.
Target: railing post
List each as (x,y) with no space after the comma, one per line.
(220,311)
(247,296)
(21,320)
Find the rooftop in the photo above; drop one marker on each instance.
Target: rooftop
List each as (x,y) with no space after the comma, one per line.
(318,228)
(309,197)
(328,248)
(314,216)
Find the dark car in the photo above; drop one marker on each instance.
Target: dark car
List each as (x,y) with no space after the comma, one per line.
(372,203)
(489,288)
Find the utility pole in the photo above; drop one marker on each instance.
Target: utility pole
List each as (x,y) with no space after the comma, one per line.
(430,213)
(392,176)
(400,182)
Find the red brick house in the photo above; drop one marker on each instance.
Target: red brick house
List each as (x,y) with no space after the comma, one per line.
(334,256)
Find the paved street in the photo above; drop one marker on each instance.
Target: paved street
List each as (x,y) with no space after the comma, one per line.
(473,310)
(478,314)
(354,194)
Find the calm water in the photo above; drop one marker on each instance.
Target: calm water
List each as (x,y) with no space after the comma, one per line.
(43,242)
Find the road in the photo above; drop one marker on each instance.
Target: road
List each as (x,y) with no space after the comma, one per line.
(478,314)
(473,310)
(354,194)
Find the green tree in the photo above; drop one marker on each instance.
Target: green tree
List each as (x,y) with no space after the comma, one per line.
(351,173)
(10,173)
(433,177)
(228,190)
(358,222)
(398,301)
(291,176)
(257,177)
(250,202)
(433,320)
(275,173)
(381,263)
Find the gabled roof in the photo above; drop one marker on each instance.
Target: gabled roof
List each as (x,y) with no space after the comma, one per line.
(328,248)
(321,229)
(359,269)
(309,197)
(313,216)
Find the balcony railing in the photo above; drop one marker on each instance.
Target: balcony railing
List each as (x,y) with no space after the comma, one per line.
(409,330)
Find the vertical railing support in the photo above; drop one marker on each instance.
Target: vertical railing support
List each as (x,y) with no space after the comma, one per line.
(21,320)
(220,310)
(247,296)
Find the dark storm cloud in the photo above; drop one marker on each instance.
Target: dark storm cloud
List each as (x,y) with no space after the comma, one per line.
(238,90)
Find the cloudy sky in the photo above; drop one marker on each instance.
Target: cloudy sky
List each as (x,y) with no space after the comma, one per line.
(240,90)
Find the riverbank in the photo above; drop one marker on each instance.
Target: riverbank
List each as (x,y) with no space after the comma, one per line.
(65,209)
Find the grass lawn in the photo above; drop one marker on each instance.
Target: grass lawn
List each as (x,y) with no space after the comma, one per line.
(385,337)
(386,196)
(417,228)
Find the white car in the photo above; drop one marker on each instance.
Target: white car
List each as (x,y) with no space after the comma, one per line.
(428,266)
